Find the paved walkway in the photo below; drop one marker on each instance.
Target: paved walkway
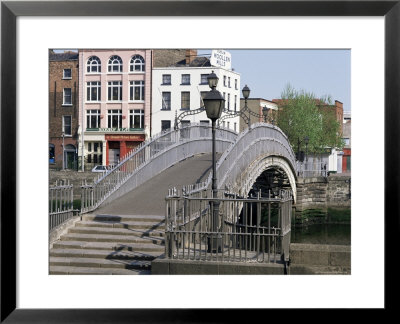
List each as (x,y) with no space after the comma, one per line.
(149,198)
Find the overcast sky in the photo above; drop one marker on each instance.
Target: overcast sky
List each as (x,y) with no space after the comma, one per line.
(266,72)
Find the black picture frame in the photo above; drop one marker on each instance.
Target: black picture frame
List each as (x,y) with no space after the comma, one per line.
(10,10)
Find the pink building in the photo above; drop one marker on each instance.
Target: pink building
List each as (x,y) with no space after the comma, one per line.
(114,103)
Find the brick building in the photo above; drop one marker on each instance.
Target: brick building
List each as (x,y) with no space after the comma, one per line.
(256,105)
(63,110)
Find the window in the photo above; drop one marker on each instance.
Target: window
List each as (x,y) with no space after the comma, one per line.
(93,118)
(202,95)
(52,153)
(67,125)
(236,84)
(224,95)
(235,103)
(229,82)
(114,118)
(136,91)
(136,64)
(67,74)
(224,80)
(203,79)
(136,118)
(185,100)
(166,101)
(115,91)
(165,125)
(346,141)
(94,152)
(115,64)
(166,79)
(229,101)
(93,65)
(67,96)
(234,127)
(186,79)
(228,124)
(93,91)
(185,132)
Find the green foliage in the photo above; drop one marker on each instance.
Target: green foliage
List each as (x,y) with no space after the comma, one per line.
(301,114)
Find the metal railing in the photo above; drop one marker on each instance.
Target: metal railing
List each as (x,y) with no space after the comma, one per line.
(249,229)
(61,208)
(311,169)
(150,158)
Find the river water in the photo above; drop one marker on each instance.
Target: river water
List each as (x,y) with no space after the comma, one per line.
(322,234)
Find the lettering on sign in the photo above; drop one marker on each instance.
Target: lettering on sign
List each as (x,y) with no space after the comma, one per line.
(125,137)
(221,58)
(125,129)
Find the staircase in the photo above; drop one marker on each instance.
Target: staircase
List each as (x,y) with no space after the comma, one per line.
(109,244)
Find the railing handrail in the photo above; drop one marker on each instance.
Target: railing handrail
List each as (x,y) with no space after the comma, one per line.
(223,158)
(144,154)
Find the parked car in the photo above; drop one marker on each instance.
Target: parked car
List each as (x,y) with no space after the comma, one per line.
(100,168)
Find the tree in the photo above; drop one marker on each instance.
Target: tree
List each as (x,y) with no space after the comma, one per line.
(302,115)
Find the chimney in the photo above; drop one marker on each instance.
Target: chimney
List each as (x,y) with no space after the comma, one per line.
(191,54)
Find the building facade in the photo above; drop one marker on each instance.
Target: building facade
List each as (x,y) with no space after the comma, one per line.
(63,110)
(114,104)
(346,159)
(256,106)
(180,89)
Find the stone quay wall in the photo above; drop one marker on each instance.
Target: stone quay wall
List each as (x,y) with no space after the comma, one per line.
(75,178)
(317,196)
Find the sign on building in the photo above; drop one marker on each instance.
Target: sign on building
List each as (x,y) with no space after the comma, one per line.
(221,58)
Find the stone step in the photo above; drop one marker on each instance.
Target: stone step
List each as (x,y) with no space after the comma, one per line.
(111,238)
(62,270)
(115,231)
(124,218)
(99,263)
(127,225)
(105,254)
(109,246)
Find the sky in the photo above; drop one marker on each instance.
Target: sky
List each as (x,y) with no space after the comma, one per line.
(267,72)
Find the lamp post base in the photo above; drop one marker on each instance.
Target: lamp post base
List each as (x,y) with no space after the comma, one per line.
(214,244)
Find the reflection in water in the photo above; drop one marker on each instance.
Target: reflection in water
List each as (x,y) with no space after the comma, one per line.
(322,234)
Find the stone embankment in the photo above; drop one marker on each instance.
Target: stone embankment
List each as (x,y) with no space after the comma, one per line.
(74,177)
(317,196)
(319,259)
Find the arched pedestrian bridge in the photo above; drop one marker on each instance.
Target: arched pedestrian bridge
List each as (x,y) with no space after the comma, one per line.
(183,157)
(130,217)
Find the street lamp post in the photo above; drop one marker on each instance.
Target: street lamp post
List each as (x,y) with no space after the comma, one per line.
(63,153)
(214,104)
(265,113)
(246,94)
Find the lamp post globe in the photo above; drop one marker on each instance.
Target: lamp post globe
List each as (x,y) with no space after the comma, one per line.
(246,92)
(212,80)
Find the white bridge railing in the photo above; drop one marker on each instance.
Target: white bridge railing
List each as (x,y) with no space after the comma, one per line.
(261,139)
(149,159)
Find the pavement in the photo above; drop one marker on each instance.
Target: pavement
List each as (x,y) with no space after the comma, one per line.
(149,198)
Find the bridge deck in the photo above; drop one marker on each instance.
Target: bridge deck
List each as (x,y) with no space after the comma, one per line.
(149,198)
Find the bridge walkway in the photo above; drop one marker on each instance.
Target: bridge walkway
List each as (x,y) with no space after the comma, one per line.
(124,236)
(149,198)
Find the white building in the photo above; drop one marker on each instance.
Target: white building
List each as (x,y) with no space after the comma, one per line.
(180,88)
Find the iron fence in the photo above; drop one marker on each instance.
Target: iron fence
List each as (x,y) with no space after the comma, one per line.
(61,208)
(150,158)
(248,229)
(311,169)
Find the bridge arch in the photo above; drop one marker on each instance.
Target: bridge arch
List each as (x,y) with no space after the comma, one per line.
(260,148)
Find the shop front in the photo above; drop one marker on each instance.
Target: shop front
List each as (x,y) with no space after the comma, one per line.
(118,146)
